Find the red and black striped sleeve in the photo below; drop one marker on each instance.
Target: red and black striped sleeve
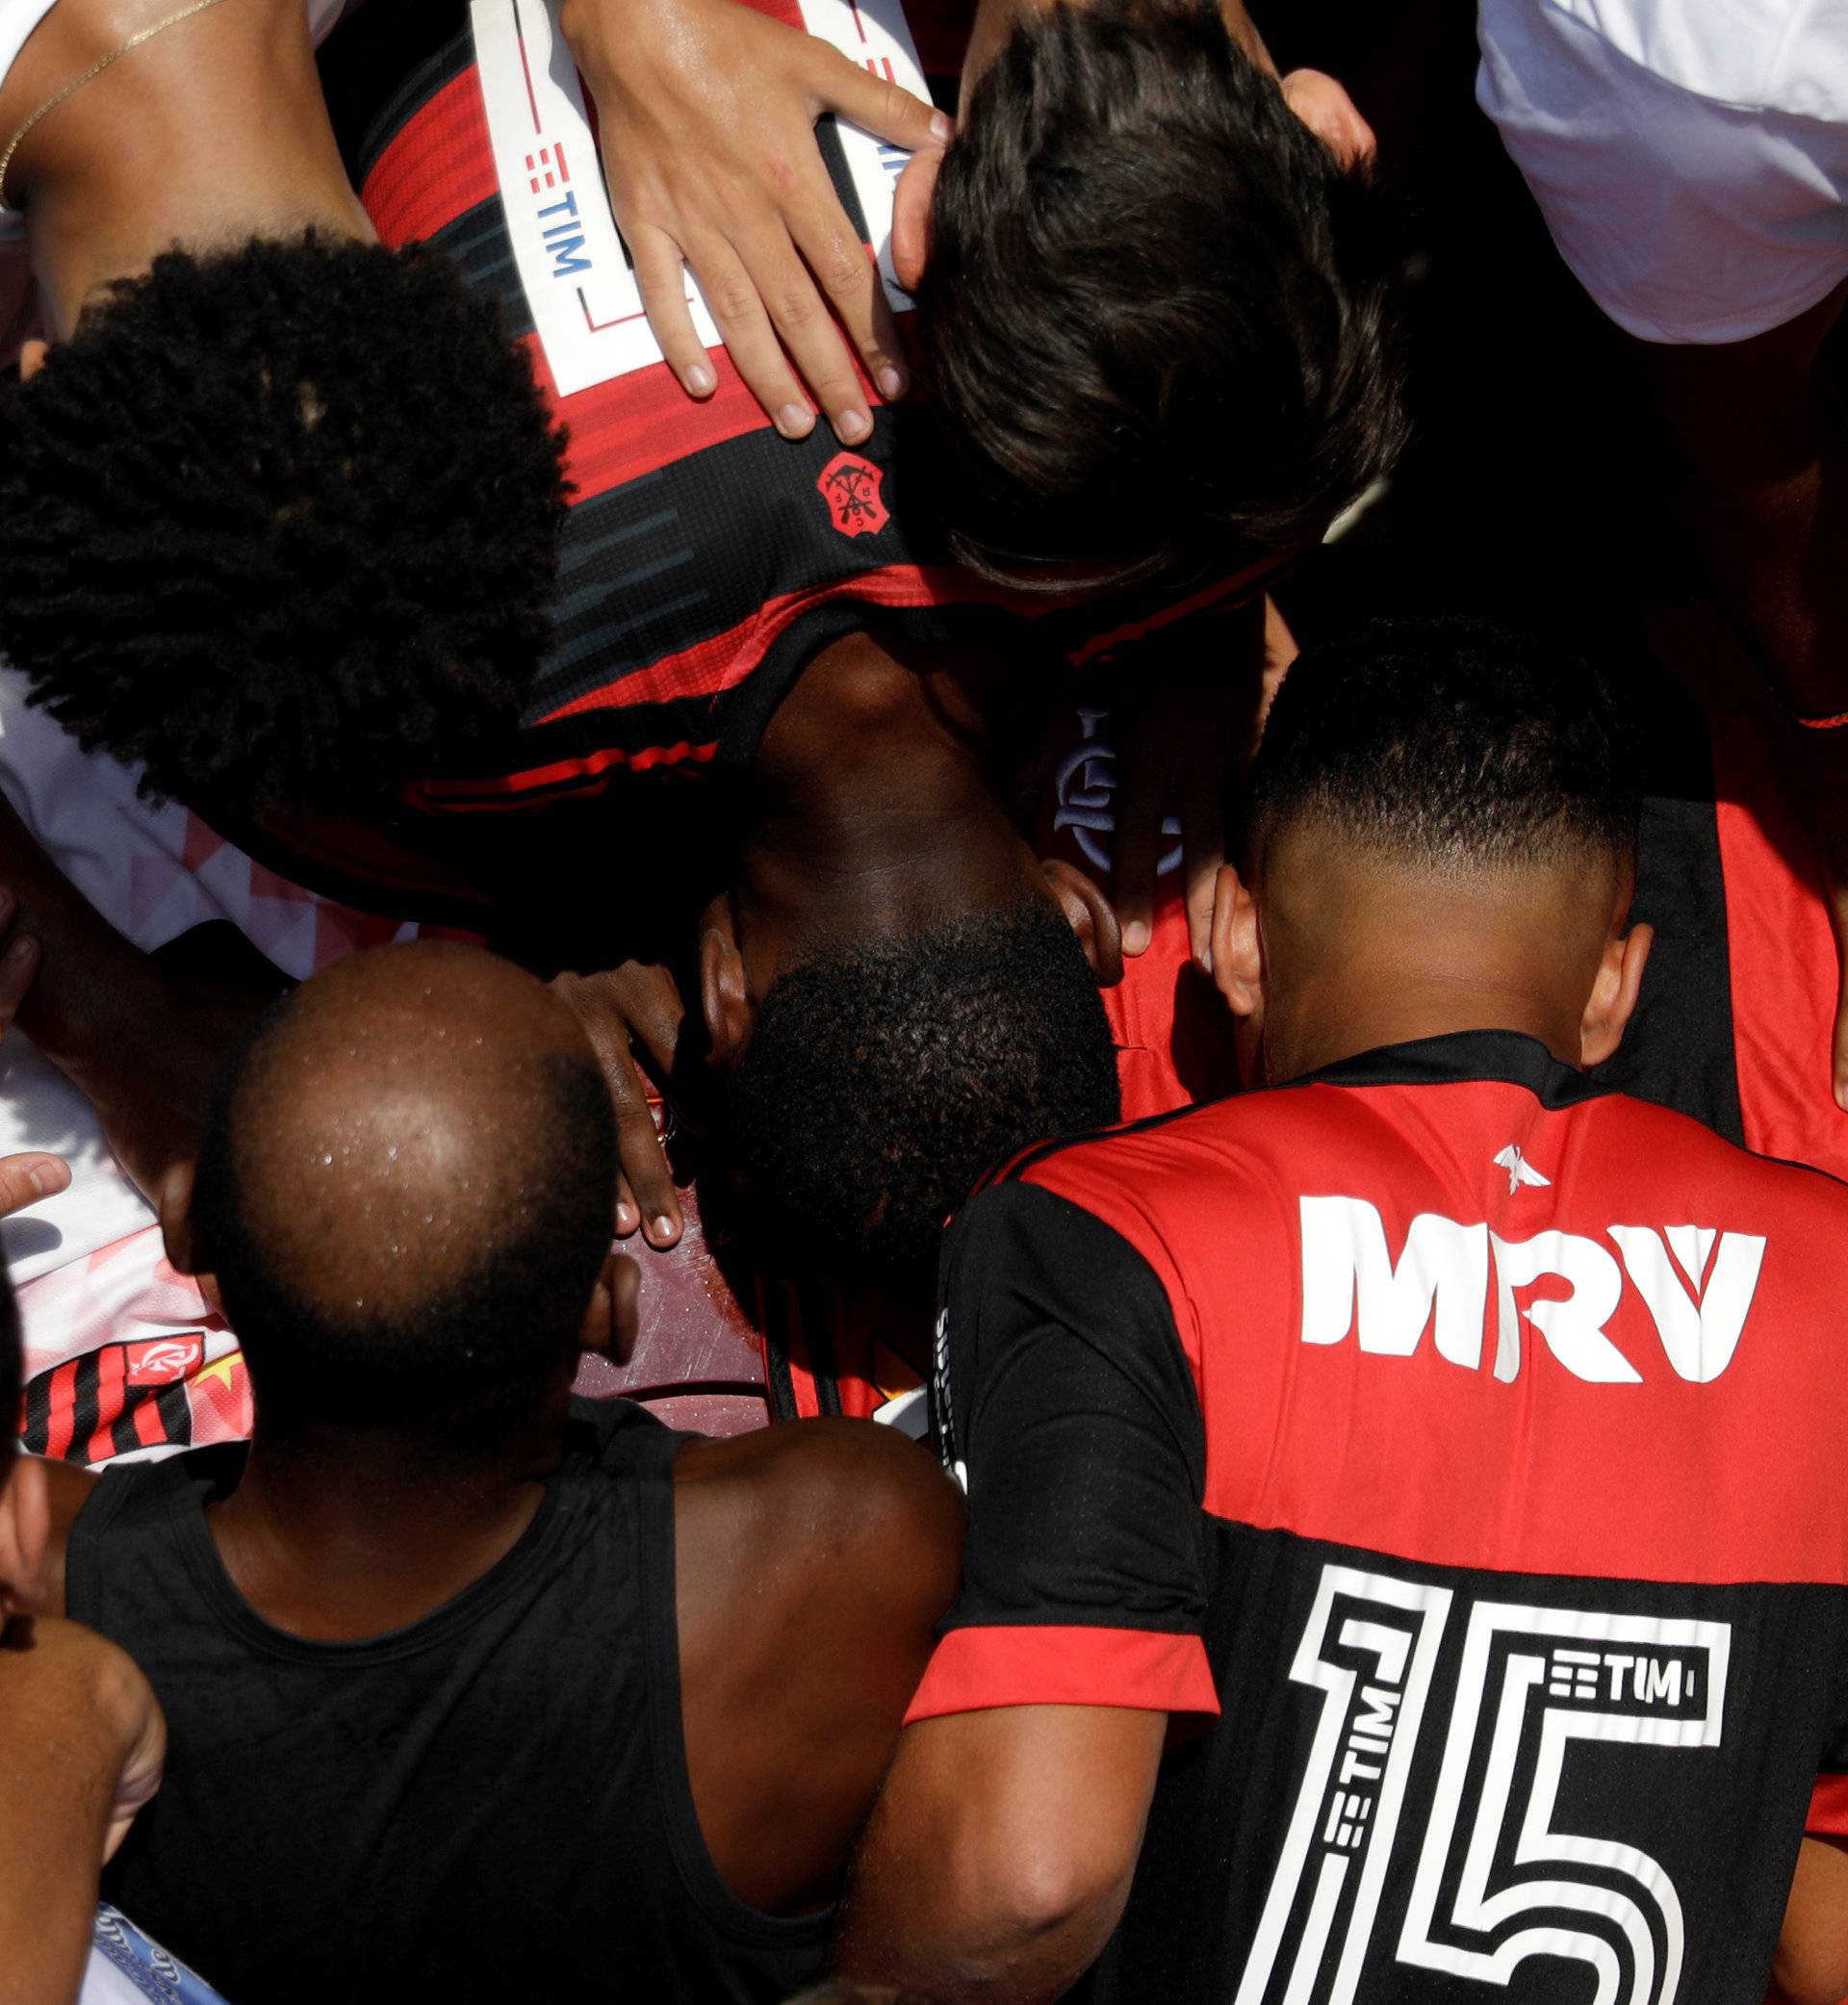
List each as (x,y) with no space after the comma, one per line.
(1064,1401)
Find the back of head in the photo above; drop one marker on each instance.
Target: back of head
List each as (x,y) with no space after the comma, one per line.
(1449,744)
(880,1082)
(280,522)
(405,1191)
(1155,309)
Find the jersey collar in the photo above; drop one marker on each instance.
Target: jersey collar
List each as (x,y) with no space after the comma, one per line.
(1506,1055)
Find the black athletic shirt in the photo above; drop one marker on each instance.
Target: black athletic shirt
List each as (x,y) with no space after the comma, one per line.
(492,1804)
(705,559)
(1408,1433)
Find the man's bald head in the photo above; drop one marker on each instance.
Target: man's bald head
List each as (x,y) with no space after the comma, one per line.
(407,1190)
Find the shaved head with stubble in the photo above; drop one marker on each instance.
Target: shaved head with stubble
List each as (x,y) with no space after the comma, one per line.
(406,1195)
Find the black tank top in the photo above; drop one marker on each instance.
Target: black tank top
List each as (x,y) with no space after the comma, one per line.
(492,1804)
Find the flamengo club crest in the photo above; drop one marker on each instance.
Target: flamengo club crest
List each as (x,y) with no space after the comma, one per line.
(850,485)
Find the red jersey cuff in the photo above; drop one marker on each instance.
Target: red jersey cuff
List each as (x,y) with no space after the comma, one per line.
(1827,1807)
(973,1670)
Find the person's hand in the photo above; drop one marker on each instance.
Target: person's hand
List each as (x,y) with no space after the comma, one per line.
(1184,742)
(74,1693)
(619,1008)
(1329,112)
(706,112)
(911,202)
(31,1175)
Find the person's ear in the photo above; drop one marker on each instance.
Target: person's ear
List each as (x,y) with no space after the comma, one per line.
(25,1535)
(31,358)
(1237,957)
(613,1317)
(1092,916)
(173,1206)
(180,1232)
(725,995)
(1613,995)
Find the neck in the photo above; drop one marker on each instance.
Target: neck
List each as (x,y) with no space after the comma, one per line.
(334,1534)
(1328,1022)
(211,132)
(1354,960)
(873,798)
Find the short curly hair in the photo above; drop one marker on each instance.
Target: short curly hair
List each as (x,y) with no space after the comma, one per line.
(280,523)
(1157,313)
(882,1079)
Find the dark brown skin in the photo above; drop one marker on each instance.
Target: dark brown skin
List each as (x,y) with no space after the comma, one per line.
(81,1754)
(812,1562)
(873,804)
(1812,1964)
(1003,1848)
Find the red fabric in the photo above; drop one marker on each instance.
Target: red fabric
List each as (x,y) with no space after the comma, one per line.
(973,1670)
(726,658)
(1357,1457)
(440,167)
(1829,1807)
(1171,1028)
(1780,950)
(508,790)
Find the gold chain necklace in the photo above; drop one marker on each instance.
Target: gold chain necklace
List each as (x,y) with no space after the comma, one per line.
(90,75)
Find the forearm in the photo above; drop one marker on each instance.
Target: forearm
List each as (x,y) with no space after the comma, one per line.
(56,1782)
(1760,442)
(1001,1852)
(1778,555)
(978,1951)
(88,973)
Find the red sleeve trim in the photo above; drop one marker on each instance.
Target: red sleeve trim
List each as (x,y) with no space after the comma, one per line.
(974,1670)
(1829,1807)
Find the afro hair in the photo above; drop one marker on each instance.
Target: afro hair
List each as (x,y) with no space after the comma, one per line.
(279,522)
(880,1082)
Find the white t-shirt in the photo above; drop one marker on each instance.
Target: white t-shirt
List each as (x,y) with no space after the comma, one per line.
(1690,156)
(153,871)
(18,316)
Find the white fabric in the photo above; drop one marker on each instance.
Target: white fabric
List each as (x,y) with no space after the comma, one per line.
(1691,160)
(18,313)
(153,871)
(118,851)
(1783,56)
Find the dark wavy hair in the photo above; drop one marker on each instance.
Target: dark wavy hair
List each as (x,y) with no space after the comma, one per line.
(882,1079)
(1157,313)
(1450,742)
(280,523)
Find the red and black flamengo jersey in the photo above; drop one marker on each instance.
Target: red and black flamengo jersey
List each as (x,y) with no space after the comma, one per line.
(706,560)
(1408,1427)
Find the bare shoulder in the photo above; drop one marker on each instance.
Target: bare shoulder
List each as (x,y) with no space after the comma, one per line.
(843,1497)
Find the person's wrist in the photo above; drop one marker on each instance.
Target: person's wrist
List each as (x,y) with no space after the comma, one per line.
(92,1028)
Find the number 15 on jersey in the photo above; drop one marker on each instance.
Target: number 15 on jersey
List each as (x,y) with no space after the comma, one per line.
(1497,1879)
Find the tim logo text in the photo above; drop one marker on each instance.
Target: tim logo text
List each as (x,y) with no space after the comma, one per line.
(1505,1869)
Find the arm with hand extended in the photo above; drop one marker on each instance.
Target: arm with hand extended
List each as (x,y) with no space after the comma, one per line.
(82,1743)
(1001,1853)
(143,1048)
